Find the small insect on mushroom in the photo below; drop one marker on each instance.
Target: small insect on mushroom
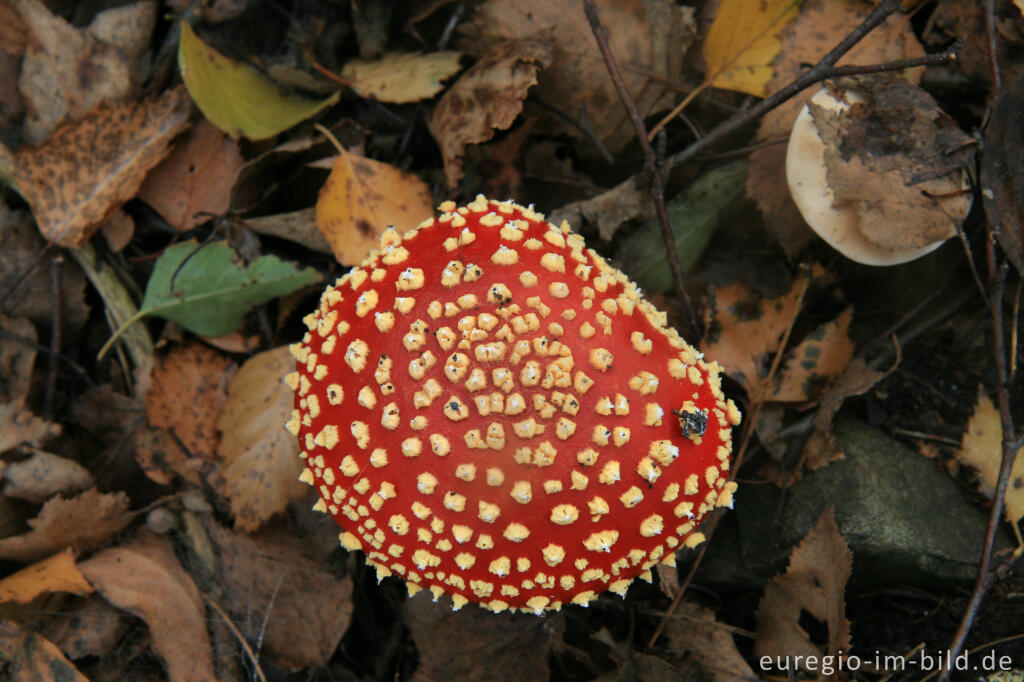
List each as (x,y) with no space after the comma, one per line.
(482,406)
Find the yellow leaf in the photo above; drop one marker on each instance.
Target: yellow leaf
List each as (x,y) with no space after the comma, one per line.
(362,198)
(743,41)
(982,448)
(237,98)
(56,574)
(401,78)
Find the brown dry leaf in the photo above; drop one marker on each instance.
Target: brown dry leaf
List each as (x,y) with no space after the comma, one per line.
(982,449)
(190,386)
(118,230)
(196,177)
(29,657)
(16,359)
(709,645)
(297,226)
(815,582)
(362,198)
(744,330)
(13,38)
(56,574)
(32,293)
(261,459)
(18,426)
(67,71)
(143,577)
(43,475)
(648,38)
(272,576)
(816,30)
(487,97)
(87,168)
(401,78)
(85,521)
(1002,173)
(471,644)
(161,457)
(89,627)
(819,359)
(743,42)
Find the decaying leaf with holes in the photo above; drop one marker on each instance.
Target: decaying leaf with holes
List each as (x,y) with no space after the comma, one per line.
(87,168)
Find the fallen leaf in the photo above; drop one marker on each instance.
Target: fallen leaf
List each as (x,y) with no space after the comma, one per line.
(487,97)
(816,362)
(18,426)
(30,657)
(648,39)
(87,168)
(809,37)
(708,644)
(68,71)
(261,460)
(85,521)
(362,198)
(401,77)
(743,42)
(270,579)
(693,215)
(13,38)
(608,210)
(1002,173)
(196,177)
(207,289)
(56,574)
(31,292)
(143,577)
(43,475)
(89,627)
(982,449)
(297,226)
(190,387)
(118,230)
(745,329)
(16,359)
(471,644)
(815,582)
(161,457)
(237,98)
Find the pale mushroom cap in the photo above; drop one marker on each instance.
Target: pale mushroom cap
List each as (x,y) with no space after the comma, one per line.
(806,175)
(486,408)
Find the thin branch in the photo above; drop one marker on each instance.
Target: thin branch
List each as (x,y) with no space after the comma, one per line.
(258,671)
(993,51)
(650,161)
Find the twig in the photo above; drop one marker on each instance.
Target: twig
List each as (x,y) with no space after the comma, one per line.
(56,336)
(258,672)
(986,577)
(817,73)
(993,51)
(650,161)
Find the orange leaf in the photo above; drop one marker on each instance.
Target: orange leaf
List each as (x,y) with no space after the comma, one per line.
(87,168)
(56,574)
(28,656)
(819,359)
(982,449)
(363,197)
(261,459)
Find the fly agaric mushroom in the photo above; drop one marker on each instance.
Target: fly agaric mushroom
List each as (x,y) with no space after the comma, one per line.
(862,203)
(490,411)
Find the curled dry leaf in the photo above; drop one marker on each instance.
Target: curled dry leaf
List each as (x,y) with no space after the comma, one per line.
(816,362)
(89,627)
(85,521)
(648,39)
(361,199)
(269,578)
(56,574)
(401,78)
(68,71)
(710,645)
(488,96)
(743,42)
(43,475)
(805,40)
(261,459)
(196,177)
(28,656)
(190,387)
(87,168)
(144,578)
(815,582)
(297,226)
(982,449)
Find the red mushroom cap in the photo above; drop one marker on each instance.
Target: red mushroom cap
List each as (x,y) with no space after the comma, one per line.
(489,410)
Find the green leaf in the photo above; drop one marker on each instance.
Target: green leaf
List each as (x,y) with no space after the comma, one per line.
(693,215)
(208,289)
(237,98)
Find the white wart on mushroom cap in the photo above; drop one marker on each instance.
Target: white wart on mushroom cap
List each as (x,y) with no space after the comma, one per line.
(492,412)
